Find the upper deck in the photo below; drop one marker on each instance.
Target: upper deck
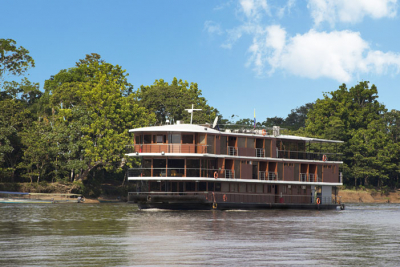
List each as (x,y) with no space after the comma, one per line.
(196,139)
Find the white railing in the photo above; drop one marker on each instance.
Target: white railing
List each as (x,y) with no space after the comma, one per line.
(272,176)
(260,152)
(232,151)
(229,174)
(303,177)
(261,175)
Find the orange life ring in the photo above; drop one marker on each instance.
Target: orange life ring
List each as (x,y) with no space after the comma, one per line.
(324,158)
(264,132)
(318,201)
(224,198)
(215,175)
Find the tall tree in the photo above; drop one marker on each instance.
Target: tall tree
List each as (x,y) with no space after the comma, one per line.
(355,116)
(169,101)
(14,60)
(95,99)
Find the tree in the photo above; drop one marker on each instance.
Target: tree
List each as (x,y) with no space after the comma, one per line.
(356,117)
(18,102)
(169,101)
(13,60)
(94,99)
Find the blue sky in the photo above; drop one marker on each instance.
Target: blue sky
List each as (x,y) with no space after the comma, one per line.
(272,56)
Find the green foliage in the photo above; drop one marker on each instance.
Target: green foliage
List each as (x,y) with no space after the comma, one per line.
(169,101)
(294,121)
(93,110)
(14,60)
(355,116)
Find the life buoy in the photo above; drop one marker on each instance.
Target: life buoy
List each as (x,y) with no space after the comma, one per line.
(215,175)
(318,201)
(224,198)
(264,132)
(324,158)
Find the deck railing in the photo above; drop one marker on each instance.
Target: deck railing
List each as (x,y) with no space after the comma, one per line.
(167,148)
(232,151)
(180,172)
(310,177)
(287,154)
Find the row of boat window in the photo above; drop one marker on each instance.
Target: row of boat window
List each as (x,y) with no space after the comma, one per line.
(166,186)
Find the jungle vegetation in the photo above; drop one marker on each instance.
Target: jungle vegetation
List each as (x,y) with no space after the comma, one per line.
(76,127)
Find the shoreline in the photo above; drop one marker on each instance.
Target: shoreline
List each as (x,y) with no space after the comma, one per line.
(367,196)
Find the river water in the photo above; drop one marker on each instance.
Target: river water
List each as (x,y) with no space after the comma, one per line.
(121,235)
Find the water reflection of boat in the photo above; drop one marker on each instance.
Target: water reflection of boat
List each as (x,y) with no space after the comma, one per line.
(36,198)
(185,166)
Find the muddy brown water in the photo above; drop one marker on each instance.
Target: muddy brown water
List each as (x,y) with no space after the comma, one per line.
(121,235)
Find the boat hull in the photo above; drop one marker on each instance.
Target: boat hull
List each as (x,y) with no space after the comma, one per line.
(233,206)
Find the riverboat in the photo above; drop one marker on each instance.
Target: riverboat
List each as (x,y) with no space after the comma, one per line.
(200,167)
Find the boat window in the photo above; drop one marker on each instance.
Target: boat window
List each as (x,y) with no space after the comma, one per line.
(217,187)
(175,138)
(159,163)
(193,168)
(250,188)
(155,186)
(233,187)
(250,142)
(146,163)
(202,139)
(159,167)
(174,186)
(225,187)
(242,188)
(210,186)
(147,139)
(259,188)
(138,139)
(210,143)
(159,139)
(187,139)
(241,142)
(190,186)
(202,186)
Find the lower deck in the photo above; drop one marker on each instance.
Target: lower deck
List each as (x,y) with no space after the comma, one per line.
(231,195)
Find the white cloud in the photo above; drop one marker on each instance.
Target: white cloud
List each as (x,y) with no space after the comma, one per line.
(351,11)
(212,27)
(289,5)
(337,55)
(254,9)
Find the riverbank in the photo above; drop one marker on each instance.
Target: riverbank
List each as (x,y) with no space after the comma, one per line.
(368,196)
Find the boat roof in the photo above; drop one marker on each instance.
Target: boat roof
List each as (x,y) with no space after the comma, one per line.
(176,128)
(205,129)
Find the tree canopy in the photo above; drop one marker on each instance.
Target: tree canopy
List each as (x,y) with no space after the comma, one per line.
(169,101)
(14,60)
(356,117)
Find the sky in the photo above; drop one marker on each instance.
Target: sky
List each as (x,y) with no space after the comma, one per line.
(270,56)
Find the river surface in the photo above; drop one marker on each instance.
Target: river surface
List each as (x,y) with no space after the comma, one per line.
(121,235)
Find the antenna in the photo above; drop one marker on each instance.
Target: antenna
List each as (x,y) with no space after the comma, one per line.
(215,122)
(191,112)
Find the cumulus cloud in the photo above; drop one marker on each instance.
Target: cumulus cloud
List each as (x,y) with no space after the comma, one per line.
(337,55)
(352,11)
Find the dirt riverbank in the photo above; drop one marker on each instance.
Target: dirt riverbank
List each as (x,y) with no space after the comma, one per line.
(368,196)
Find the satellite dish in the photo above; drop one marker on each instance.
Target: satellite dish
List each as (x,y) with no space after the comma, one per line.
(215,122)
